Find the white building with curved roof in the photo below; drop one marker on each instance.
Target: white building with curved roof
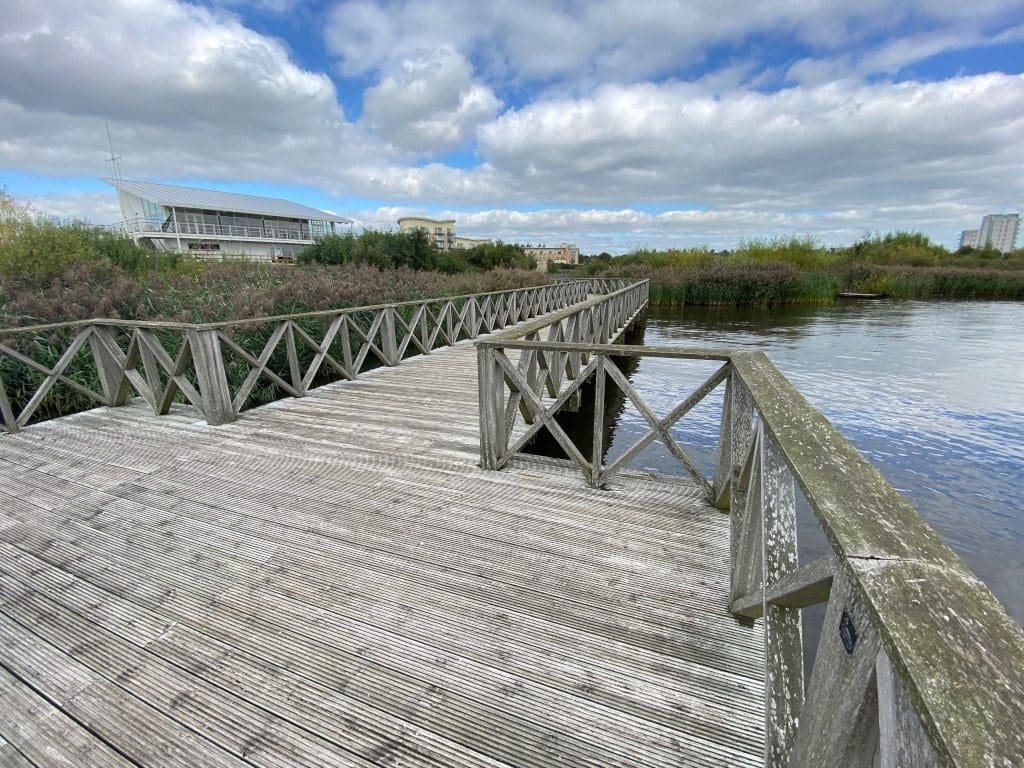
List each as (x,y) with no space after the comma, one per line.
(211,224)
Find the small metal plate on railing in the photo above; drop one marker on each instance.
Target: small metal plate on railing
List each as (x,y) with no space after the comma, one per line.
(847,632)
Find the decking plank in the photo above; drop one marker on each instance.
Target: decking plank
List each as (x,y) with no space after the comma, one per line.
(232,608)
(39,733)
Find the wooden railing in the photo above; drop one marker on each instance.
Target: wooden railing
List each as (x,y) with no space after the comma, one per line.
(917,663)
(545,369)
(107,362)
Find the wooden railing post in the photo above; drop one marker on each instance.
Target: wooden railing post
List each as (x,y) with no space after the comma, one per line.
(389,346)
(839,725)
(783,638)
(472,318)
(293,358)
(212,377)
(902,741)
(9,422)
(597,452)
(740,435)
(490,381)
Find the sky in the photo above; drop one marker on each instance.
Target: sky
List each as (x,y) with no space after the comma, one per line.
(612,124)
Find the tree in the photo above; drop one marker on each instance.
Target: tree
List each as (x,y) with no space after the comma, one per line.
(13,217)
(908,248)
(487,256)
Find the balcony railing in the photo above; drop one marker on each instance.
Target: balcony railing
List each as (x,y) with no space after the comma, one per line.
(194,229)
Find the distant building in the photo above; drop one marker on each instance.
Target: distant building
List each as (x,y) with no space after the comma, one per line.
(999,231)
(546,255)
(209,224)
(970,238)
(440,231)
(465,243)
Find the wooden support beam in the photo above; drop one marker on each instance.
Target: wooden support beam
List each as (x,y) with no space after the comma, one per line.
(597,450)
(902,741)
(108,366)
(783,637)
(805,586)
(6,413)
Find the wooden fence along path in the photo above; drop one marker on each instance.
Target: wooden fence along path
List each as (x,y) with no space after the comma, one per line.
(342,577)
(105,362)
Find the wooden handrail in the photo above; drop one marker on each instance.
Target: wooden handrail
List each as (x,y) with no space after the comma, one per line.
(953,650)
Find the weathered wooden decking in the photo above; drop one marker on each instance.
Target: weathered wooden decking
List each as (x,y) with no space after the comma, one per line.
(333,581)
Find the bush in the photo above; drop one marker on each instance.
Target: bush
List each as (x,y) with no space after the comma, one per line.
(377,248)
(487,256)
(909,248)
(38,249)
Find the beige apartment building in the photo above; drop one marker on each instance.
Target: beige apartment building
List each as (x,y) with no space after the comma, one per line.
(465,243)
(560,254)
(440,231)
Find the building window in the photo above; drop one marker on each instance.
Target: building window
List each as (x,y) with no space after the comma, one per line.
(152,211)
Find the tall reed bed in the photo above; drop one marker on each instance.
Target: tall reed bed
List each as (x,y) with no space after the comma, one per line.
(799,270)
(736,284)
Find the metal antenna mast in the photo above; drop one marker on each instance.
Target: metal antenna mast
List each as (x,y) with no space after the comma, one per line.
(114,158)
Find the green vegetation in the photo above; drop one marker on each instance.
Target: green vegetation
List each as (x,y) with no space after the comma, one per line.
(53,271)
(799,270)
(394,250)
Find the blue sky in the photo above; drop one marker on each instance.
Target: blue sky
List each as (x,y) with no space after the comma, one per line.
(610,123)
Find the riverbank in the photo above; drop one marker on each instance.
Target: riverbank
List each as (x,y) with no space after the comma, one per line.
(782,283)
(801,271)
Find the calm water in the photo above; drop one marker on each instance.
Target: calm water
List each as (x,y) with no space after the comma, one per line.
(931,392)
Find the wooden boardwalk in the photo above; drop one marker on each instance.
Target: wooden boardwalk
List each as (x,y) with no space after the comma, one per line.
(332,581)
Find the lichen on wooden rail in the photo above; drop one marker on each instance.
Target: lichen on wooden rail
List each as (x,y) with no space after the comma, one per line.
(951,645)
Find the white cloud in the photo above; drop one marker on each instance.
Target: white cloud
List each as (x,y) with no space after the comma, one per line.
(112,58)
(187,91)
(278,7)
(592,41)
(804,147)
(431,104)
(94,207)
(191,93)
(618,230)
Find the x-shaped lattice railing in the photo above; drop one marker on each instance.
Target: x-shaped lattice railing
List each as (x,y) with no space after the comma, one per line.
(525,394)
(129,356)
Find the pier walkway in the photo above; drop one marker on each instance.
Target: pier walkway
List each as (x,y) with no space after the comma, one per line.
(334,581)
(372,572)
